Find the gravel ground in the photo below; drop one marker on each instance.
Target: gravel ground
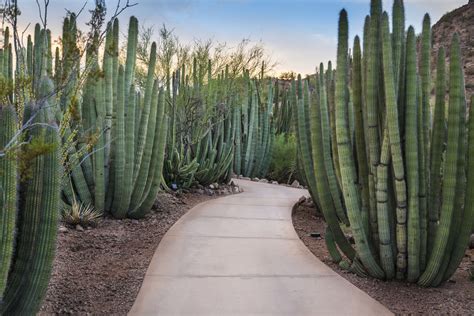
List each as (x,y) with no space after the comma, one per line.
(99,271)
(455,297)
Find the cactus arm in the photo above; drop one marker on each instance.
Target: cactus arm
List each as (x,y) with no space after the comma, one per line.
(346,160)
(411,157)
(320,177)
(129,152)
(437,145)
(394,135)
(357,90)
(119,149)
(425,133)
(157,102)
(29,277)
(99,155)
(467,221)
(8,172)
(451,169)
(155,169)
(331,176)
(144,117)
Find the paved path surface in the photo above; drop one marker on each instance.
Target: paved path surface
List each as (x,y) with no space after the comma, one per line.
(239,255)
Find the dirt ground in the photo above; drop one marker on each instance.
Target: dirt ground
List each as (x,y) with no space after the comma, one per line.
(455,297)
(99,271)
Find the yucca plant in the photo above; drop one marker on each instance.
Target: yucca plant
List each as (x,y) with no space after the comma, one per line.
(80,214)
(381,168)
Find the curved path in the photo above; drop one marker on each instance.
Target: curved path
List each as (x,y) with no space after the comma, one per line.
(239,255)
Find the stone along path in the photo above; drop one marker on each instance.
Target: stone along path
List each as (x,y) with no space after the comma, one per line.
(239,255)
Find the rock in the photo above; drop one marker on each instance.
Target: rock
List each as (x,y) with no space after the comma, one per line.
(245,178)
(134,221)
(301,200)
(274,182)
(309,202)
(62,229)
(256,179)
(209,192)
(263,181)
(471,242)
(295,184)
(215,185)
(235,189)
(200,191)
(79,228)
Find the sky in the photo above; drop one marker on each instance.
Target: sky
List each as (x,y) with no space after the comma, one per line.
(298,34)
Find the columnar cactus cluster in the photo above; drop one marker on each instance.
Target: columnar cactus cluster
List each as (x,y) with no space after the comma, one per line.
(218,126)
(377,162)
(201,131)
(120,137)
(255,128)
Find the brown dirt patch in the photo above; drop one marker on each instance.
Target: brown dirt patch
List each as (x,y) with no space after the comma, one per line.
(455,297)
(99,271)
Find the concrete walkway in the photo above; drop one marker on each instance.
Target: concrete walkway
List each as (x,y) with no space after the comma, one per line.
(239,255)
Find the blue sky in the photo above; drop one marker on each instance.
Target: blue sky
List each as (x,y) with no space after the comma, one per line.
(299,34)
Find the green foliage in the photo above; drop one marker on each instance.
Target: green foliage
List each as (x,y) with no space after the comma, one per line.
(79,214)
(283,162)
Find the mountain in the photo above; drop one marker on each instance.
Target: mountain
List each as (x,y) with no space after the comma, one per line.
(460,20)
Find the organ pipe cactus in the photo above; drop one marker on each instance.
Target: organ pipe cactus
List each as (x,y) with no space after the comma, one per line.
(258,129)
(408,208)
(30,202)
(204,121)
(119,134)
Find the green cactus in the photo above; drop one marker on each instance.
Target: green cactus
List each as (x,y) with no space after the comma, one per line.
(114,138)
(399,231)
(437,146)
(8,184)
(30,267)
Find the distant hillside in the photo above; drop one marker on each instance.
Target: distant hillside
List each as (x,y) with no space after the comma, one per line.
(460,20)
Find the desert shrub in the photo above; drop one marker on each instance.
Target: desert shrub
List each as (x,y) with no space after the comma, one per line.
(283,167)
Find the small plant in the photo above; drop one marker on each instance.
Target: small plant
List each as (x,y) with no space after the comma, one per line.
(80,214)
